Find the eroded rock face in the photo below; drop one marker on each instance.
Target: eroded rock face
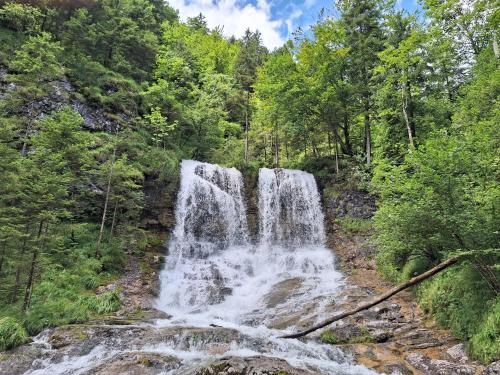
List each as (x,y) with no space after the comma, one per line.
(353,203)
(438,367)
(158,212)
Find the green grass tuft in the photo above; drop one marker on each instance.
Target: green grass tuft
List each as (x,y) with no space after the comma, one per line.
(12,333)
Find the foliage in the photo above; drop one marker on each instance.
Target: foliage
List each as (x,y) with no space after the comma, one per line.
(485,343)
(328,337)
(12,333)
(355,225)
(21,17)
(38,59)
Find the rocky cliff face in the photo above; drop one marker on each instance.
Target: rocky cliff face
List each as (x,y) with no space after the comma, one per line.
(352,203)
(252,202)
(159,209)
(63,93)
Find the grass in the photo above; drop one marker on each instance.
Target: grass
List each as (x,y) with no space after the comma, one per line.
(12,333)
(355,225)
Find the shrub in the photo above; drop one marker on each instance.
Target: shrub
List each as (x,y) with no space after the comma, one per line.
(328,337)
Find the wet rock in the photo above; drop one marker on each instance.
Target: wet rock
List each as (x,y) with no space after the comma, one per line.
(257,365)
(66,336)
(380,335)
(420,339)
(492,369)
(438,367)
(137,363)
(158,212)
(282,291)
(346,332)
(20,360)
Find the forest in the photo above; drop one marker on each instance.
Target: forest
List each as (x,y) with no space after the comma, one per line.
(404,105)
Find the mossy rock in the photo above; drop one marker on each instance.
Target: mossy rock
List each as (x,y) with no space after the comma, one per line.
(347,334)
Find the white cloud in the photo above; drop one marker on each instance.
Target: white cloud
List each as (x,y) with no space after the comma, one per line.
(290,21)
(235,17)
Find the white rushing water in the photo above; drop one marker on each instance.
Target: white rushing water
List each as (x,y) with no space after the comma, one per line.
(215,276)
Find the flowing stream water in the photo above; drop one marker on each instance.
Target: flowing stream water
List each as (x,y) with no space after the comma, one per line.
(228,295)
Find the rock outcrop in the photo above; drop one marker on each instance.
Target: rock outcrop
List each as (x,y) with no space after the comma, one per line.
(62,93)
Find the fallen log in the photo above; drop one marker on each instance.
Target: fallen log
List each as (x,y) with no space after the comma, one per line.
(417,279)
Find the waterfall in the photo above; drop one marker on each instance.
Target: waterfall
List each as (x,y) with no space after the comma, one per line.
(210,212)
(210,217)
(289,208)
(215,276)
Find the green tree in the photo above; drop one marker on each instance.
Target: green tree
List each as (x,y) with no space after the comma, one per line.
(251,55)
(363,35)
(21,17)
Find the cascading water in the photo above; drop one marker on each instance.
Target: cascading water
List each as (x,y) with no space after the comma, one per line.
(214,276)
(210,217)
(289,208)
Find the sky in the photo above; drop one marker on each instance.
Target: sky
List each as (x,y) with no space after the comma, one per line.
(275,19)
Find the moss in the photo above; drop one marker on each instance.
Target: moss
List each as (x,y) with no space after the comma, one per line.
(363,338)
(144,362)
(329,337)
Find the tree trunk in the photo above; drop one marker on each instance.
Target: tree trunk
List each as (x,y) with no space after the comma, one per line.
(106,201)
(347,137)
(31,275)
(368,139)
(113,222)
(447,263)
(17,282)
(24,149)
(481,267)
(277,147)
(286,147)
(2,256)
(345,148)
(337,156)
(265,148)
(329,139)
(404,102)
(29,284)
(246,126)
